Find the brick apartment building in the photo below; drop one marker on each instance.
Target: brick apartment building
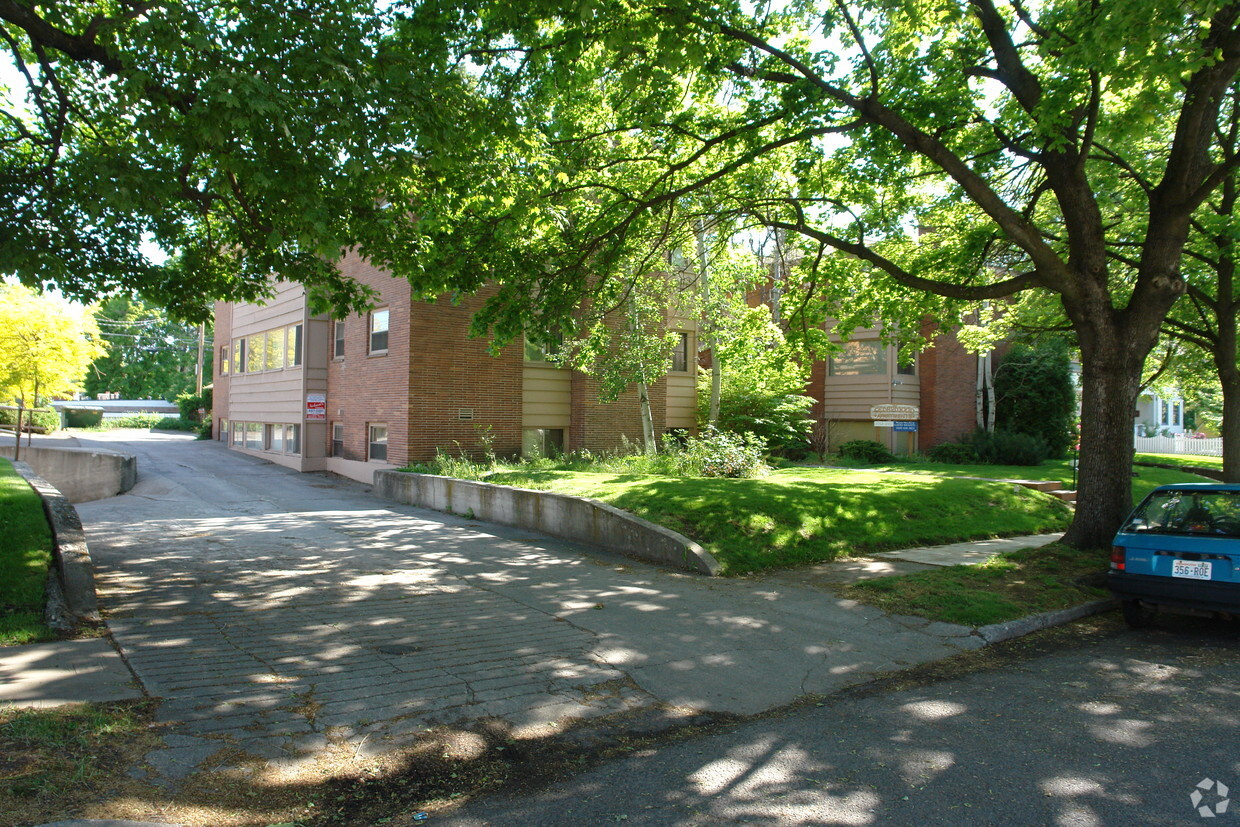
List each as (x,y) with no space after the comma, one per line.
(392,386)
(931,401)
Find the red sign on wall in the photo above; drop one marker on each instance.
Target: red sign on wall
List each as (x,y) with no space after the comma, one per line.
(316,407)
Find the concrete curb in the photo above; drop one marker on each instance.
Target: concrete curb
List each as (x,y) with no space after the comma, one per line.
(997,632)
(560,515)
(73,564)
(80,474)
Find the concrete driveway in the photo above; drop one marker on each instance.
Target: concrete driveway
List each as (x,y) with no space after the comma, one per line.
(283,614)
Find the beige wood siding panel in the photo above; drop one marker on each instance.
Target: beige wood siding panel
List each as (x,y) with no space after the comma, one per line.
(287,306)
(546,397)
(681,401)
(267,397)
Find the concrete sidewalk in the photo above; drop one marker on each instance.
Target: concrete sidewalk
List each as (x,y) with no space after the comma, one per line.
(282,616)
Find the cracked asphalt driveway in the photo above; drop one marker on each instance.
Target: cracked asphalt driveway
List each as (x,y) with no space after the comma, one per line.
(283,613)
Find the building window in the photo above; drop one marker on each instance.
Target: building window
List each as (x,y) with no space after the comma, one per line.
(238,434)
(545,352)
(292,439)
(223,360)
(254,436)
(273,358)
(292,345)
(1166,412)
(239,355)
(867,357)
(337,439)
(223,432)
(680,353)
(1176,414)
(377,448)
(907,370)
(254,353)
(338,340)
(542,442)
(379,331)
(273,436)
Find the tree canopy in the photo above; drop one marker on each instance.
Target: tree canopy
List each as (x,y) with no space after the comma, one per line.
(148,355)
(1063,148)
(248,138)
(921,155)
(46,345)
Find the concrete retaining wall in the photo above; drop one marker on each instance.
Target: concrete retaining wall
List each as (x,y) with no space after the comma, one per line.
(80,474)
(74,570)
(573,518)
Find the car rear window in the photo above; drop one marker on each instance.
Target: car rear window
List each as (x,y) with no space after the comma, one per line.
(1188,512)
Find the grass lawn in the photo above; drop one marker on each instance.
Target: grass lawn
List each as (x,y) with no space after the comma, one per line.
(1183,460)
(25,555)
(1007,587)
(800,515)
(54,762)
(1145,481)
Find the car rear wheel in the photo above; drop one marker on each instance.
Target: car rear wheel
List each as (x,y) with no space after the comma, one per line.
(1136,614)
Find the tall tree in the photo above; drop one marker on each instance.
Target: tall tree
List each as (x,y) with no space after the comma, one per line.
(149,355)
(1047,151)
(249,137)
(46,345)
(1207,319)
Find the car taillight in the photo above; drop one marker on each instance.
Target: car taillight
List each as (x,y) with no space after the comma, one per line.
(1117,558)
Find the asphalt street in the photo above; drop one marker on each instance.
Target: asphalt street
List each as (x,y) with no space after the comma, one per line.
(1087,725)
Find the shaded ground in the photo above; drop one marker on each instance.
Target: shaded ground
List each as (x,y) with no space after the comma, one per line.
(1089,724)
(306,638)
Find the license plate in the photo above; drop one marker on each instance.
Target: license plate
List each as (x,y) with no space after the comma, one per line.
(1195,569)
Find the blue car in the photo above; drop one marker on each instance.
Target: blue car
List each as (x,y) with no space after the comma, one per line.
(1179,550)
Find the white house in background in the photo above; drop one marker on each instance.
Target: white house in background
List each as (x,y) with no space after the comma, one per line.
(1159,415)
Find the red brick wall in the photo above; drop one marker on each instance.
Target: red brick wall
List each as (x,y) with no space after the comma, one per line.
(948,389)
(448,372)
(363,389)
(606,425)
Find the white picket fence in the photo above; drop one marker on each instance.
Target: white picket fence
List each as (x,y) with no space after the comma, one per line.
(1180,445)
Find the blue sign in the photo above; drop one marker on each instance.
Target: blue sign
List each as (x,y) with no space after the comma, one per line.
(905,425)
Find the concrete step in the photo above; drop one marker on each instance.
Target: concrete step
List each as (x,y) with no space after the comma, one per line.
(1039,485)
(1063,494)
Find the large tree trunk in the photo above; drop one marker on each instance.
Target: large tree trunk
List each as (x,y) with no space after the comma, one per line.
(711,328)
(1229,376)
(1225,353)
(1110,380)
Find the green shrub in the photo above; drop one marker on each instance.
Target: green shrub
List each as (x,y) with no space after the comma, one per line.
(134,420)
(866,450)
(176,423)
(1009,448)
(191,403)
(44,418)
(204,429)
(955,453)
(1034,394)
(762,388)
(716,453)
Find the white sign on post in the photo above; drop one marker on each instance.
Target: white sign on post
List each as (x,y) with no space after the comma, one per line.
(886,412)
